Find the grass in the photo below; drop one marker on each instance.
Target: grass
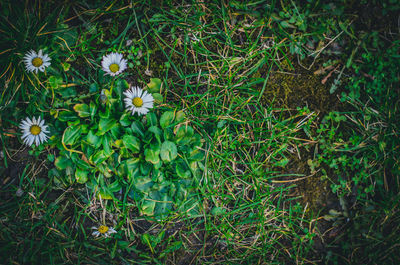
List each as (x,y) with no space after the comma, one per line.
(271,157)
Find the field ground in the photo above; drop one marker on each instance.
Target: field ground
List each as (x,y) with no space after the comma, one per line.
(297,105)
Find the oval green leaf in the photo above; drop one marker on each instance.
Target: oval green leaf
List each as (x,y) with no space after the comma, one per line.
(168,151)
(83,110)
(166,119)
(132,143)
(81,176)
(71,135)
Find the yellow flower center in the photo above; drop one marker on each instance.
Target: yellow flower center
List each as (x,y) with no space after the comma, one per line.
(37,62)
(137,102)
(114,67)
(35,130)
(102,229)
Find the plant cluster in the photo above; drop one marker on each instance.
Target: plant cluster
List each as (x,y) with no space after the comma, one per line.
(155,161)
(362,158)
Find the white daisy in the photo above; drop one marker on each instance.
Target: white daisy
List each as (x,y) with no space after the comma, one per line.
(103,231)
(113,64)
(36,61)
(138,100)
(34,131)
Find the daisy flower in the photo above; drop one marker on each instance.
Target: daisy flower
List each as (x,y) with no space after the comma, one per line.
(103,231)
(36,61)
(137,100)
(34,131)
(113,64)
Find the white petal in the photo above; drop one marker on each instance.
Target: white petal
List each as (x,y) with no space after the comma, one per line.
(24,124)
(30,138)
(26,134)
(37,140)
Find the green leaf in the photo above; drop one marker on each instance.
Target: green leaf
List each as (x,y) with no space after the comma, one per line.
(106,124)
(106,113)
(132,164)
(81,176)
(158,98)
(147,239)
(104,194)
(184,135)
(182,171)
(172,247)
(148,207)
(99,157)
(71,135)
(184,131)
(152,156)
(117,132)
(83,110)
(62,162)
(151,119)
(196,155)
(93,109)
(286,24)
(168,151)
(66,66)
(50,157)
(67,116)
(143,184)
(93,139)
(166,119)
(158,165)
(67,92)
(82,164)
(168,134)
(156,131)
(93,88)
(218,211)
(163,207)
(281,163)
(180,116)
(107,145)
(154,86)
(145,168)
(55,81)
(121,86)
(124,120)
(114,187)
(84,128)
(132,143)
(137,127)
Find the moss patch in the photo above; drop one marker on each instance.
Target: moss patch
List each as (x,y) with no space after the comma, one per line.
(313,191)
(299,87)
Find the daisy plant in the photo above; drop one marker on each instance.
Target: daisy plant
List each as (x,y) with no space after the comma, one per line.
(138,100)
(153,156)
(35,62)
(103,230)
(113,64)
(34,131)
